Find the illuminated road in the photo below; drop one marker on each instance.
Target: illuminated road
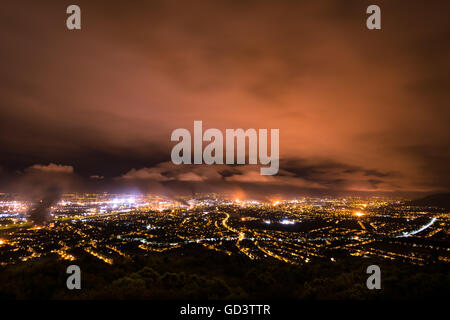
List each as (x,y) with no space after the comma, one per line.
(429,224)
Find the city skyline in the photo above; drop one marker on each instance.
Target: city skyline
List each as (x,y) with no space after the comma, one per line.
(114,226)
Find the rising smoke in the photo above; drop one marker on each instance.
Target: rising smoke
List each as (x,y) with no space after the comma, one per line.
(39,213)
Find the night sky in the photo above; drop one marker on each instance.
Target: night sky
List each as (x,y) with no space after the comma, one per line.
(358,110)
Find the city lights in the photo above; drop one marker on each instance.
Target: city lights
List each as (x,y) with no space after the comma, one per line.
(300,231)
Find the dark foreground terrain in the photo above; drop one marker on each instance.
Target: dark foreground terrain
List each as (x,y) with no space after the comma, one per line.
(195,273)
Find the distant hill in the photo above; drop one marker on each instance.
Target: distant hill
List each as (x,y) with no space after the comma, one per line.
(441,200)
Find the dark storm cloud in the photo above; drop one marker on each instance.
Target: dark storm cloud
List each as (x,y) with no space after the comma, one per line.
(36,181)
(297,177)
(365,110)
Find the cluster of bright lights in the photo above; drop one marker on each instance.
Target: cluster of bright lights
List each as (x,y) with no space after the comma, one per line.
(126,204)
(8,207)
(286,221)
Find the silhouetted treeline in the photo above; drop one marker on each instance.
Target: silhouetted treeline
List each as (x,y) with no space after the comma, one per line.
(201,274)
